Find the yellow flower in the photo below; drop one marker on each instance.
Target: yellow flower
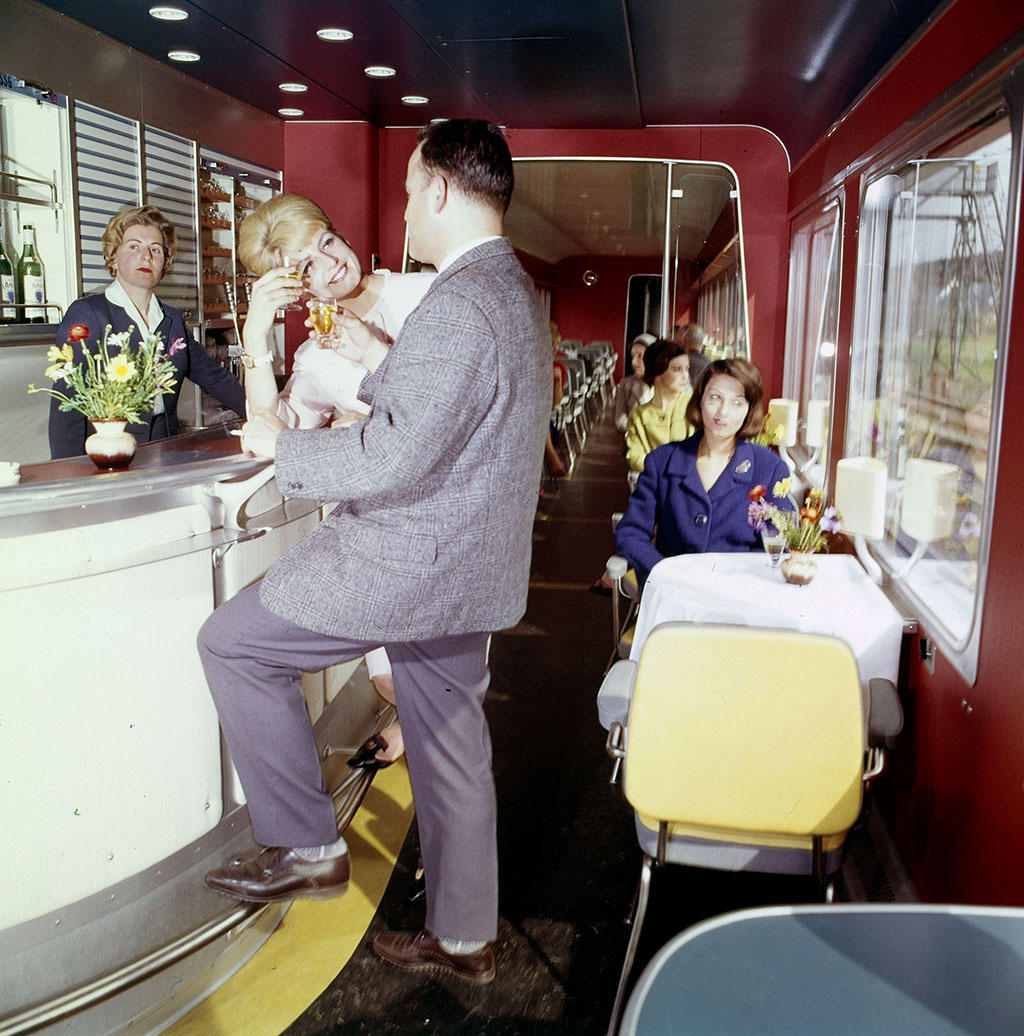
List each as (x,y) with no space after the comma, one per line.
(63,355)
(120,368)
(782,488)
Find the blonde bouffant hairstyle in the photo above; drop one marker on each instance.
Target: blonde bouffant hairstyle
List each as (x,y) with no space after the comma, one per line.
(144,216)
(279,229)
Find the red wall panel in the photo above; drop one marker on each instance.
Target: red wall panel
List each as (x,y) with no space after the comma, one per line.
(335,164)
(956,792)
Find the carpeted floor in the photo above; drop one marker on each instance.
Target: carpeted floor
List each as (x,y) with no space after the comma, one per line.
(569,860)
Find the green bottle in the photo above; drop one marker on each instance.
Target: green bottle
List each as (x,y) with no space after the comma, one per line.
(31,278)
(8,314)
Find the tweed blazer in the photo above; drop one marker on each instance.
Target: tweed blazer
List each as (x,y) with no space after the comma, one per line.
(437,488)
(68,430)
(670,512)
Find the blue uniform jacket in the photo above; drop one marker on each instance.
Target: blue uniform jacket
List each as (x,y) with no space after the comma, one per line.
(68,431)
(670,512)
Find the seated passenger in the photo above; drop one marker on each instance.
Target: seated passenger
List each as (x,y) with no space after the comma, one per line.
(290,233)
(691,338)
(663,417)
(693,496)
(632,390)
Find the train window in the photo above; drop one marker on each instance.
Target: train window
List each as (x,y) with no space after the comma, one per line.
(811,333)
(928,353)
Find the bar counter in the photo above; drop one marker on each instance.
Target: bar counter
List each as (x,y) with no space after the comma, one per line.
(118,790)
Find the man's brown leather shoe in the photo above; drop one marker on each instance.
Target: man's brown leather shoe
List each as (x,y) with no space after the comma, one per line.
(421,951)
(277,873)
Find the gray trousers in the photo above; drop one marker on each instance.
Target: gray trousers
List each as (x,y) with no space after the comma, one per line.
(253,661)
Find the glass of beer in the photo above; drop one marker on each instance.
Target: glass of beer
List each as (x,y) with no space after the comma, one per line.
(321,313)
(774,545)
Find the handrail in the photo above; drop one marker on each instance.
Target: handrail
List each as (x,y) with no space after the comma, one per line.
(91,993)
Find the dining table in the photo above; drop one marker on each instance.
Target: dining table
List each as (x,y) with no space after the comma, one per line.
(743,589)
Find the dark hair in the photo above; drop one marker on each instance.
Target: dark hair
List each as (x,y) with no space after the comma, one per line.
(658,355)
(473,156)
(748,376)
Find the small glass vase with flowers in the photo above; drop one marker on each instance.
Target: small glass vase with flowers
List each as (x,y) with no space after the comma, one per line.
(110,385)
(803,530)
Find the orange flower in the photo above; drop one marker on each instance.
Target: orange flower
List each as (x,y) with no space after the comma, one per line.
(758,492)
(78,333)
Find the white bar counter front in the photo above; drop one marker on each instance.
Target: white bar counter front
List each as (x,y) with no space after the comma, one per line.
(117,791)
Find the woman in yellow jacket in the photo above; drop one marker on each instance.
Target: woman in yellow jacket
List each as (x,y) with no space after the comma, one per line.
(663,418)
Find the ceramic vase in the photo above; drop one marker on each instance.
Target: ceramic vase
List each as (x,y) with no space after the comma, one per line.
(110,447)
(799,567)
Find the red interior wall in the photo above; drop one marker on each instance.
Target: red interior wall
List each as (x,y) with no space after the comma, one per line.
(955,791)
(335,164)
(597,311)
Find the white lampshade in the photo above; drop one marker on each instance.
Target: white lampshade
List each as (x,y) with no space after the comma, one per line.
(817,422)
(929,499)
(783,413)
(860,496)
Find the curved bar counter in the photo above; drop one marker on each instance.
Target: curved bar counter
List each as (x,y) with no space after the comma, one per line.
(118,793)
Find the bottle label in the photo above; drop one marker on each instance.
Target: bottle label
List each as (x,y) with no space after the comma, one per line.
(7,295)
(34,292)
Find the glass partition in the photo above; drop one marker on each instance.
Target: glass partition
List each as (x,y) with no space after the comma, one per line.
(591,227)
(812,326)
(927,362)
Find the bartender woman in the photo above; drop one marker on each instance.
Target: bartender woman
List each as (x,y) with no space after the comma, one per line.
(138,248)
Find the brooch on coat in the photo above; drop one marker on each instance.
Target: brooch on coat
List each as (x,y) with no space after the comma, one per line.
(742,469)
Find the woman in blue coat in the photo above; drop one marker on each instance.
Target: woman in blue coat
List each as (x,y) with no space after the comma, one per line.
(138,247)
(693,496)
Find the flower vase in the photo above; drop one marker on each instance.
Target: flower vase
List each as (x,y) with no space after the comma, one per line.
(799,567)
(110,447)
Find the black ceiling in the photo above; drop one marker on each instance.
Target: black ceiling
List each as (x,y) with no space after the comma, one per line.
(791,66)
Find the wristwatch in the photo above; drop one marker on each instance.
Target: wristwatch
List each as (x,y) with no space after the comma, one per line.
(249,361)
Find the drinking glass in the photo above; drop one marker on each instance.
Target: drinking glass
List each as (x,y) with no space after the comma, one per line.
(774,545)
(321,312)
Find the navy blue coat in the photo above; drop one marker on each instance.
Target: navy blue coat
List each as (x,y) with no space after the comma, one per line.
(671,513)
(68,431)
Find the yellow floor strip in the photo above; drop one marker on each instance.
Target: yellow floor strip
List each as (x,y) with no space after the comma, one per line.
(316,938)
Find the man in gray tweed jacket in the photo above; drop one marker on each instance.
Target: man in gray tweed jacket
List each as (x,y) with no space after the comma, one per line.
(427,552)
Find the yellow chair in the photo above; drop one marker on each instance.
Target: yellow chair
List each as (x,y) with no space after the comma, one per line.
(745,750)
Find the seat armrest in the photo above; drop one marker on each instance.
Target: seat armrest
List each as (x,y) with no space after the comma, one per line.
(885,714)
(616,567)
(616,693)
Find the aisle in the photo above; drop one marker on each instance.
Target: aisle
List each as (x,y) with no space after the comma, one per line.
(568,857)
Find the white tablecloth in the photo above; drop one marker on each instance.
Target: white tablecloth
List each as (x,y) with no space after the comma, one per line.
(740,589)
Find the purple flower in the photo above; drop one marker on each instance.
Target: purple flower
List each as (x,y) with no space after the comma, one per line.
(177,346)
(830,520)
(758,515)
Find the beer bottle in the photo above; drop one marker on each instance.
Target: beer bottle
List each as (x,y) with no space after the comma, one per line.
(31,278)
(8,314)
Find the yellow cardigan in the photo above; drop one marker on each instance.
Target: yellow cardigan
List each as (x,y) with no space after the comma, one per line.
(650,426)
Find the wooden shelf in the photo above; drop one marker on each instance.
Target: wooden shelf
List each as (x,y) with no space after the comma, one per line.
(214,195)
(216,251)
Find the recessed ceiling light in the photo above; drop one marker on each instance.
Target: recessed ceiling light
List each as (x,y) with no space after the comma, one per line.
(293,88)
(379,71)
(183,55)
(334,35)
(290,111)
(168,14)
(414,99)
